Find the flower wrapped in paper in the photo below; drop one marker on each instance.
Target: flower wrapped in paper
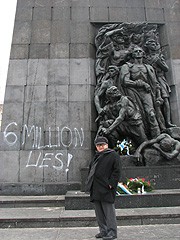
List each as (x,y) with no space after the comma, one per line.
(134,186)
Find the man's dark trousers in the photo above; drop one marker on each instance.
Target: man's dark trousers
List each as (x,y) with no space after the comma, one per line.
(107,225)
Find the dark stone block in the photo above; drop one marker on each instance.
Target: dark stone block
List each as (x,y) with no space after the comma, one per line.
(39,51)
(162,177)
(80,200)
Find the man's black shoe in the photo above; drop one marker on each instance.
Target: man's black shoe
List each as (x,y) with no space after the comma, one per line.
(109,238)
(99,235)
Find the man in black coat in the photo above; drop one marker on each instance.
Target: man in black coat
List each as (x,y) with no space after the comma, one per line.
(103,177)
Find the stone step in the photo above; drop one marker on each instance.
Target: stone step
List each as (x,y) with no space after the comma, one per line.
(77,200)
(140,232)
(50,217)
(32,201)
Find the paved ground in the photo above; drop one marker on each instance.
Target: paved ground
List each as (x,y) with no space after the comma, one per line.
(143,232)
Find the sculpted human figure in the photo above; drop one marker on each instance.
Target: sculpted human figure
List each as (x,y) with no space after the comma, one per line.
(157,60)
(122,118)
(164,143)
(140,83)
(111,51)
(109,80)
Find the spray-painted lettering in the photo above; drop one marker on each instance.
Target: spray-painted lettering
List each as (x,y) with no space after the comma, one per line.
(64,137)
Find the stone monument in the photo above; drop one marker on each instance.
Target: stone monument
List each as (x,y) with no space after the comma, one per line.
(49,117)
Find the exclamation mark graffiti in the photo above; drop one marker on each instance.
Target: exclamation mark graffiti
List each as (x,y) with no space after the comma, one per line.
(70,156)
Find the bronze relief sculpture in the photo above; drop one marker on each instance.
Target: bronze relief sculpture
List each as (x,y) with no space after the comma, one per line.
(132,92)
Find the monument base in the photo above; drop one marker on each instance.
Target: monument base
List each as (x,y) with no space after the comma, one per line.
(37,189)
(162,177)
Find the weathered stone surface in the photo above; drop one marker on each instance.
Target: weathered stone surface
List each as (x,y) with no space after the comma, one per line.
(17,72)
(80,50)
(35,93)
(30,170)
(24,13)
(43,3)
(57,113)
(79,32)
(116,13)
(22,32)
(174,34)
(80,159)
(24,4)
(80,3)
(79,115)
(79,71)
(98,3)
(154,3)
(114,3)
(42,13)
(135,14)
(12,112)
(58,93)
(79,92)
(60,32)
(59,50)
(155,15)
(10,141)
(38,51)
(19,51)
(135,3)
(10,164)
(41,31)
(34,113)
(58,72)
(17,96)
(99,14)
(61,13)
(37,72)
(80,14)
(61,3)
(55,165)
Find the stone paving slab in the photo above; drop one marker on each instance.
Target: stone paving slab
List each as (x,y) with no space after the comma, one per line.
(143,232)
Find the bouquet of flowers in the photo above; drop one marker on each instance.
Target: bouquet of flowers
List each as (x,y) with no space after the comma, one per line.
(135,183)
(124,147)
(133,186)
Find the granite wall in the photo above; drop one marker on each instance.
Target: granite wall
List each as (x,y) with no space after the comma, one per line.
(48,120)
